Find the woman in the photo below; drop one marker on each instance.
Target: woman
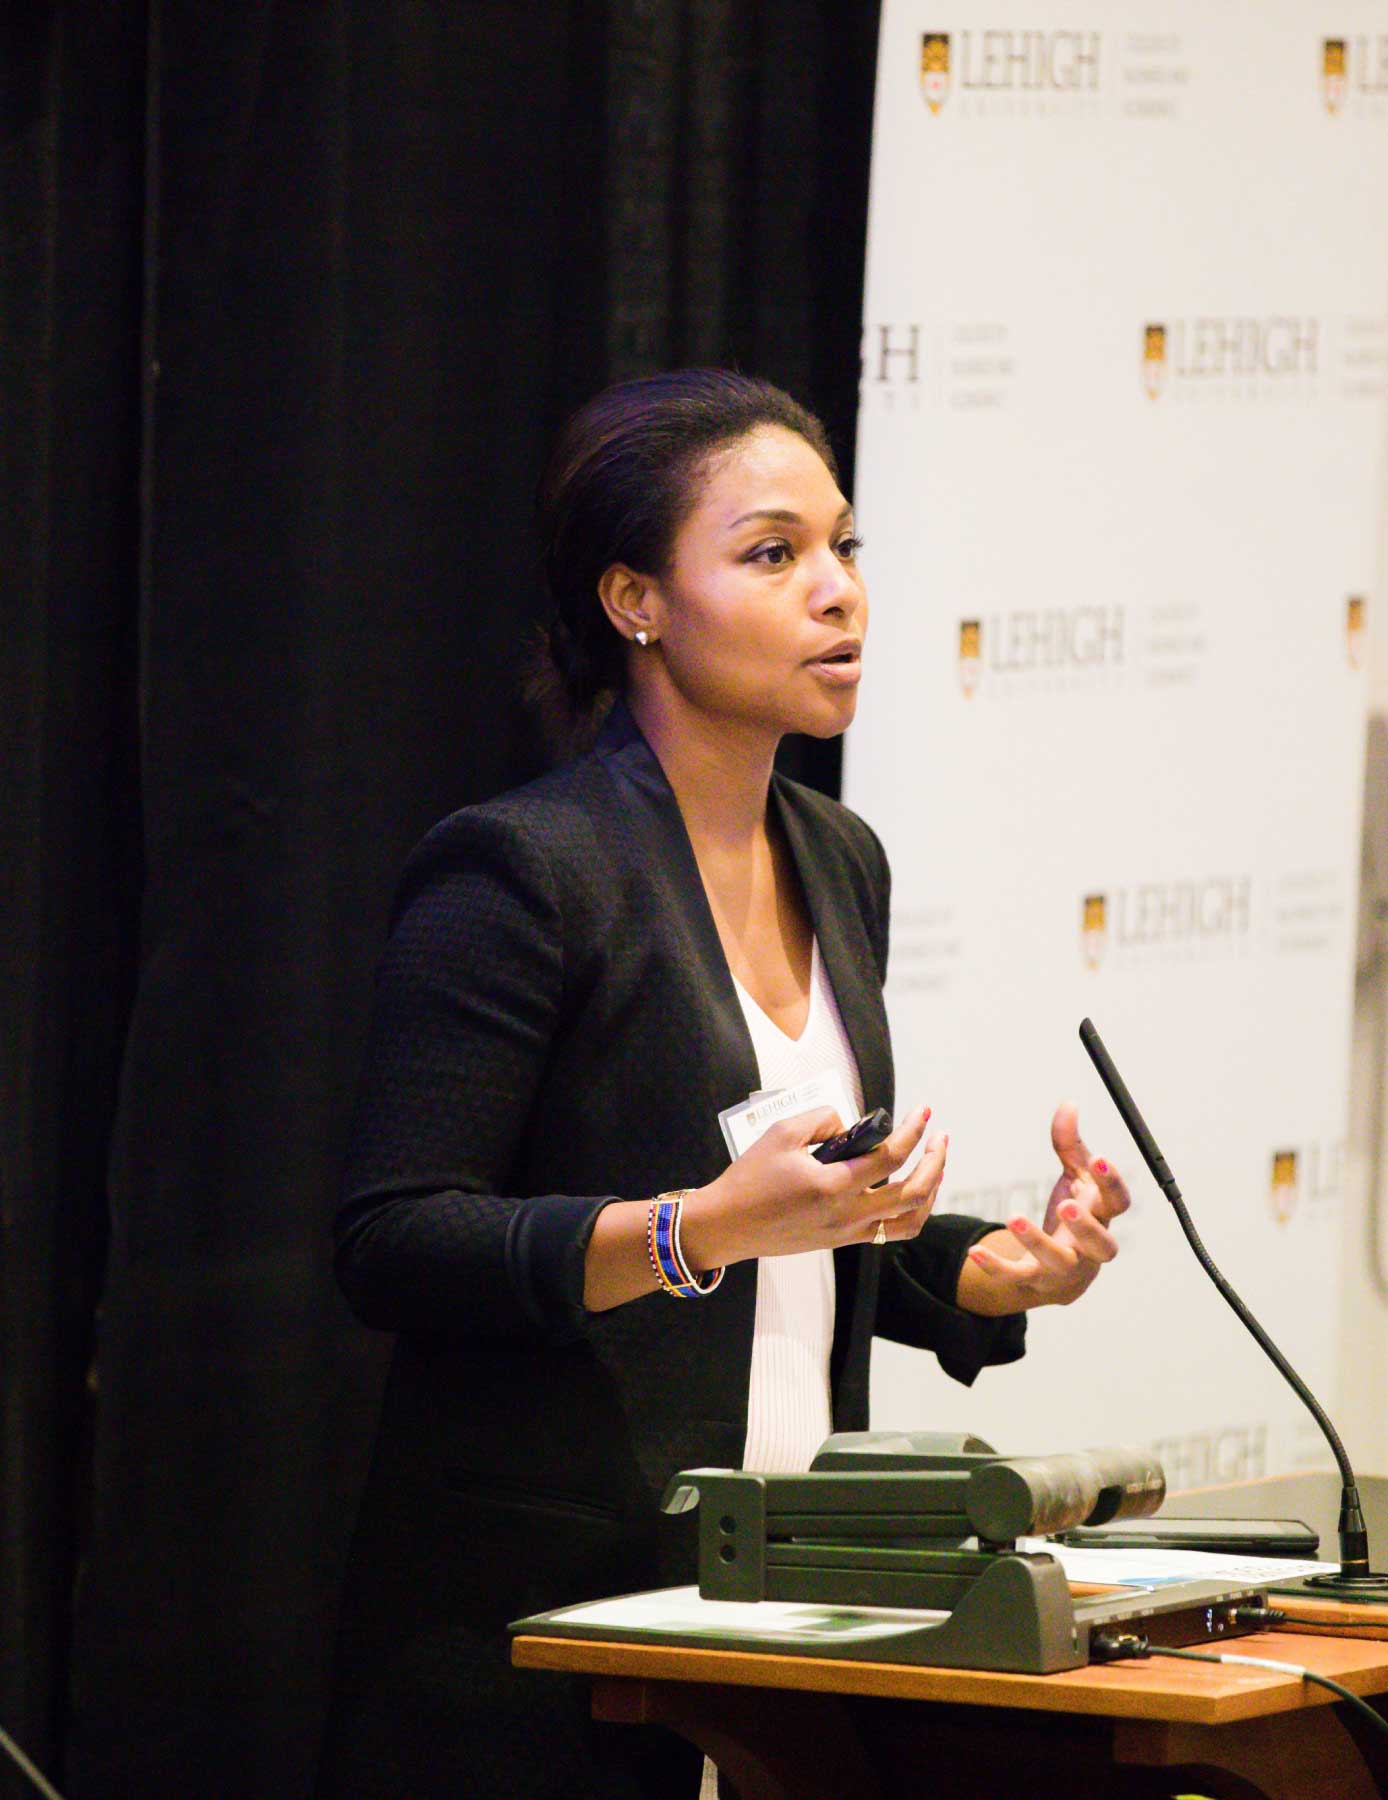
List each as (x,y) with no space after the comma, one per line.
(582,976)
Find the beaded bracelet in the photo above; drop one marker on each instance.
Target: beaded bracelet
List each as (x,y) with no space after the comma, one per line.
(667,1258)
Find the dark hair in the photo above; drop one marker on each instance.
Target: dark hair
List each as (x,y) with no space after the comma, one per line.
(619,484)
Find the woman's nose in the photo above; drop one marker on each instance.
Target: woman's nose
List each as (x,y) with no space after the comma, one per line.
(836,588)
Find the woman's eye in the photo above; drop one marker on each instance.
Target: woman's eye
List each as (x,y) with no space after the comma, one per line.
(849,547)
(773,554)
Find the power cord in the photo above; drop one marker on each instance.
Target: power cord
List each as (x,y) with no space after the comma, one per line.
(25,1767)
(1122,1647)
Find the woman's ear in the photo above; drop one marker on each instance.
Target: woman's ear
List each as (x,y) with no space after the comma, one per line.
(630,603)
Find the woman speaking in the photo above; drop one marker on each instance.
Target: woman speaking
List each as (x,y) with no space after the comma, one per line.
(587,981)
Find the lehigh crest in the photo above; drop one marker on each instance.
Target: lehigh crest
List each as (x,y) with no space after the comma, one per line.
(1154,359)
(1356,630)
(1094,929)
(1334,75)
(970,655)
(935,68)
(1284,1189)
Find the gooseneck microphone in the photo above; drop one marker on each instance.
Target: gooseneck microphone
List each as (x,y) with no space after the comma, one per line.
(1355,1580)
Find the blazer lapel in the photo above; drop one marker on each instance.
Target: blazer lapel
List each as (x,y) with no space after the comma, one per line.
(846,948)
(687,907)
(848,956)
(844,943)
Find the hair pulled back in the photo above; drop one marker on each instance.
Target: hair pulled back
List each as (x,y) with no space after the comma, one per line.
(620,482)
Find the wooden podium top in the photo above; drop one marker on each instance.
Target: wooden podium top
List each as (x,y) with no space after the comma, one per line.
(1156,1688)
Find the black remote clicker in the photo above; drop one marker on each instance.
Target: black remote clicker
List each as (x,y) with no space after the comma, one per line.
(866,1135)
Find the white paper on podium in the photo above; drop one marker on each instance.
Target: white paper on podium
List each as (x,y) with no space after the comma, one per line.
(1162,1568)
(682,1610)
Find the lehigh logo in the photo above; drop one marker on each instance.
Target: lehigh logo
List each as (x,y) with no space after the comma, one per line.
(1333,74)
(1356,630)
(1154,359)
(1284,1190)
(935,68)
(1094,929)
(970,655)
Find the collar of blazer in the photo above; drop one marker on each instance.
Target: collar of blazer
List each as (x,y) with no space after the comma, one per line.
(818,834)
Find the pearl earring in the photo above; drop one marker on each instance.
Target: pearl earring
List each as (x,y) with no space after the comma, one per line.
(643,638)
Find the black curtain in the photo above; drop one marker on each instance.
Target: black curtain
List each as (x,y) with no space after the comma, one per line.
(294,297)
(71,145)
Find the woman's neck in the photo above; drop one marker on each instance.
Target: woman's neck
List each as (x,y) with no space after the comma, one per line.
(720,775)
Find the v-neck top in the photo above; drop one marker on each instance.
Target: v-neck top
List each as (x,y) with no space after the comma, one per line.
(789,1413)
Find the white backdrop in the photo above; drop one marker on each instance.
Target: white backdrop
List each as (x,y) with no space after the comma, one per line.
(1120,452)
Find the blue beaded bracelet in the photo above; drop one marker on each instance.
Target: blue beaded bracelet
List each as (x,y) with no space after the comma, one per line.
(667,1257)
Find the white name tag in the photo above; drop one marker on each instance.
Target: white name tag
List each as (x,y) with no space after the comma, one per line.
(743,1125)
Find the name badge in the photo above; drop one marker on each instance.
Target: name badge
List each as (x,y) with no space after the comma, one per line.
(743,1125)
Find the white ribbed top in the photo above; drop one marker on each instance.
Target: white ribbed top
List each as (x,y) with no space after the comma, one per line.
(788,1410)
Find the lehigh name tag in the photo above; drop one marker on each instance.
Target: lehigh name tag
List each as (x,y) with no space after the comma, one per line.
(743,1125)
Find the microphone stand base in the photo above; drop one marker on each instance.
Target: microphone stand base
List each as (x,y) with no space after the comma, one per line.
(1352,1590)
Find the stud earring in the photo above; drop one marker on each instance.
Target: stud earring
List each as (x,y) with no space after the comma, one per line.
(643,638)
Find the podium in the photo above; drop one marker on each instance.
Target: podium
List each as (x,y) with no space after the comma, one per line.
(813,1727)
(800,1728)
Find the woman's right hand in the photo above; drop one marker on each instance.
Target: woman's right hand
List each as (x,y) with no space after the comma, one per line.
(777,1199)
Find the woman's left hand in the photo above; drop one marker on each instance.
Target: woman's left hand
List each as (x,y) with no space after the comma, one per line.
(1053,1263)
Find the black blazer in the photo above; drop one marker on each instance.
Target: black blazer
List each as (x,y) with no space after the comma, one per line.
(555,1026)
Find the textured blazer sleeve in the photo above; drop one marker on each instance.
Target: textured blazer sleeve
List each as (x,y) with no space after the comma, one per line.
(915,1302)
(467,1003)
(915,1298)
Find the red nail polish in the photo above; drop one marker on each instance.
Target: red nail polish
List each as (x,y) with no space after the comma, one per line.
(1102,1167)
(1070,1210)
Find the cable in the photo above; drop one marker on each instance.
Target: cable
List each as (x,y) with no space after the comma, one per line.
(1128,1646)
(37,1776)
(1357,1701)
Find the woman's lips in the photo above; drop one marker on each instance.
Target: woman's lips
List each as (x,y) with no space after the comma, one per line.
(844,669)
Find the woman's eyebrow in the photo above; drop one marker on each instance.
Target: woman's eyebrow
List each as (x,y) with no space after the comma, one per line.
(782,516)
